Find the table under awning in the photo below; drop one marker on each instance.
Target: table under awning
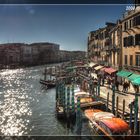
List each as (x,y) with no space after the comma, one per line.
(136,81)
(98,67)
(109,70)
(133,77)
(91,64)
(124,74)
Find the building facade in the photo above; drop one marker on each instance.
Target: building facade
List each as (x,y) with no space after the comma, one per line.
(115,51)
(10,53)
(131,39)
(99,45)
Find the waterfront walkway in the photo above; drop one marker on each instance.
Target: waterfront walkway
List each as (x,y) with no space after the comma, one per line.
(127,96)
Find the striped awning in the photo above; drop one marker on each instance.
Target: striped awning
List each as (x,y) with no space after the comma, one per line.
(98,67)
(136,81)
(124,74)
(133,77)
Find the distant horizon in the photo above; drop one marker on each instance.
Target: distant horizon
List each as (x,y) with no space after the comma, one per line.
(65,25)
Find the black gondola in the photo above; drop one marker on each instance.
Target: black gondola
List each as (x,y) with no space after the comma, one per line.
(48,83)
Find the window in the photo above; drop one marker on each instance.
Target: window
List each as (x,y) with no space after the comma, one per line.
(130,23)
(106,34)
(131,59)
(137,39)
(136,21)
(125,25)
(130,41)
(125,59)
(125,41)
(137,60)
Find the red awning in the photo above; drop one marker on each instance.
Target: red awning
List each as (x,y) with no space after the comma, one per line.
(109,70)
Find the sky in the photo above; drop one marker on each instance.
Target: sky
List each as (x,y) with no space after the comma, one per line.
(67,1)
(66,25)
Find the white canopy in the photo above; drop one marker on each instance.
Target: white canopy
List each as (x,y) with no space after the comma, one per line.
(102,115)
(91,64)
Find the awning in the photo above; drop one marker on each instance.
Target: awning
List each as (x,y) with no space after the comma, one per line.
(94,75)
(91,64)
(98,67)
(136,81)
(102,69)
(124,74)
(109,70)
(133,77)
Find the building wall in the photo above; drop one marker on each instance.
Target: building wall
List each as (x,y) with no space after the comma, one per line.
(131,49)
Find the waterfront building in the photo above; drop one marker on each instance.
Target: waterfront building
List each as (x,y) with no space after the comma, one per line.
(93,49)
(10,53)
(78,55)
(131,39)
(64,56)
(99,44)
(115,50)
(26,54)
(47,52)
(2,55)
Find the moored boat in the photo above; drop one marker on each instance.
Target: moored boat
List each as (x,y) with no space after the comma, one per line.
(48,83)
(106,124)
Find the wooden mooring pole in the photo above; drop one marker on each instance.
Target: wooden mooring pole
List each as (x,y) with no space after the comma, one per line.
(72,100)
(107,102)
(98,89)
(64,98)
(45,74)
(78,117)
(123,109)
(117,105)
(68,101)
(130,120)
(113,99)
(136,114)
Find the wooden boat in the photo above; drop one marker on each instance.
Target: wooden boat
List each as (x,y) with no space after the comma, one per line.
(106,124)
(82,95)
(87,101)
(48,83)
(59,111)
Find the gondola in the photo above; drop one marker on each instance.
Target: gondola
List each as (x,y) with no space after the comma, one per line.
(48,83)
(106,124)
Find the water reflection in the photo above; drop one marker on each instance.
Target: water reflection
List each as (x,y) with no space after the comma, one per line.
(26,108)
(14,103)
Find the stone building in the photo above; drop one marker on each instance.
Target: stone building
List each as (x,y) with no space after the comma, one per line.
(47,52)
(10,53)
(64,56)
(99,44)
(26,55)
(131,39)
(115,51)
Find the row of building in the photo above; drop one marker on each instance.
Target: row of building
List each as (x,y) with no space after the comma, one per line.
(117,45)
(35,54)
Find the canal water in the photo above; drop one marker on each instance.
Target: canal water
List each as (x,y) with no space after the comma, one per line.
(27,108)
